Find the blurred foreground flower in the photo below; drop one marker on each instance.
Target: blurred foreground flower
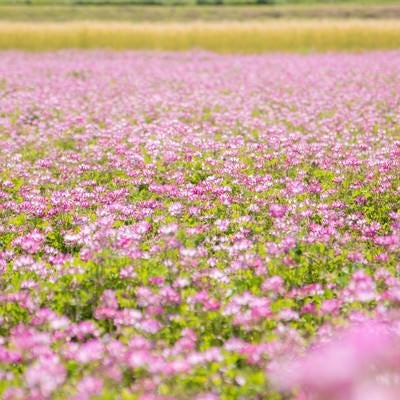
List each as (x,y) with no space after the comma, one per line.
(358,363)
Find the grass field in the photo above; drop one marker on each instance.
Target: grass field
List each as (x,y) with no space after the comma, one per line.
(137,13)
(247,37)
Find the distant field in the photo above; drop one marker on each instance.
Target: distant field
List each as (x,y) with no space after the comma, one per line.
(140,13)
(250,37)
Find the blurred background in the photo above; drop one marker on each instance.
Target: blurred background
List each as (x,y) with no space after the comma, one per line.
(217,25)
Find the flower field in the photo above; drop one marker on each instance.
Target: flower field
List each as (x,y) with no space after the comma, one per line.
(199,226)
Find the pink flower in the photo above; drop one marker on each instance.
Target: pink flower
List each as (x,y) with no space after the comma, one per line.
(32,242)
(89,387)
(341,368)
(45,375)
(277,210)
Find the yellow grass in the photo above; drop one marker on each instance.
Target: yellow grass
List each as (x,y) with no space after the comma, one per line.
(286,35)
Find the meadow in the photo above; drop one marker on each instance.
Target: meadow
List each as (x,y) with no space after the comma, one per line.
(200,202)
(230,36)
(199,226)
(247,28)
